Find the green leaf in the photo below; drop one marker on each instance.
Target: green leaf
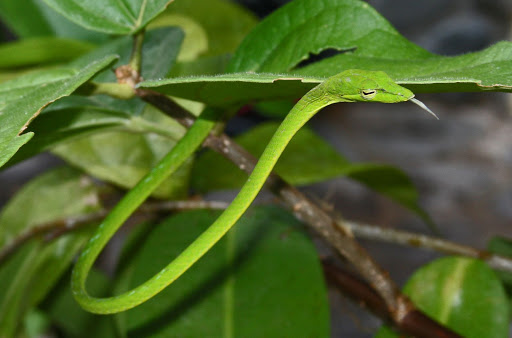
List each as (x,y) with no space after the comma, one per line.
(75,117)
(33,18)
(502,246)
(113,16)
(225,23)
(366,40)
(28,275)
(67,315)
(463,294)
(311,26)
(45,199)
(24,18)
(486,70)
(196,40)
(30,52)
(228,89)
(307,159)
(209,65)
(245,286)
(124,158)
(117,154)
(22,99)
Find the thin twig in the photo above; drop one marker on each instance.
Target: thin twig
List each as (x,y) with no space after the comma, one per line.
(54,229)
(415,323)
(414,240)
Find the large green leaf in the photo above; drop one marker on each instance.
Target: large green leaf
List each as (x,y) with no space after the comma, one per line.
(307,159)
(305,27)
(22,99)
(68,316)
(26,277)
(111,16)
(30,52)
(486,70)
(33,18)
(461,293)
(226,89)
(247,285)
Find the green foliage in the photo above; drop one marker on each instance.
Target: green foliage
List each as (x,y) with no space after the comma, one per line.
(462,293)
(263,278)
(36,51)
(31,272)
(33,18)
(22,99)
(68,316)
(246,286)
(113,16)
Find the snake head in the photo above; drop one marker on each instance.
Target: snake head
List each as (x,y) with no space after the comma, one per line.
(356,85)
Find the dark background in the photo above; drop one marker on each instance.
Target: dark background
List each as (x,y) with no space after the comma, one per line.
(462,164)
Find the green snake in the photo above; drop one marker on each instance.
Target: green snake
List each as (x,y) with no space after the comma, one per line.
(348,86)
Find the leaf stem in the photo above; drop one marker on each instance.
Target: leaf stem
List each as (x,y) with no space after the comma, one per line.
(136,56)
(414,240)
(121,91)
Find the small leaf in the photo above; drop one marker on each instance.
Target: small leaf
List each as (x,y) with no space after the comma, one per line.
(229,291)
(195,41)
(463,294)
(27,276)
(35,51)
(307,159)
(113,17)
(22,99)
(225,22)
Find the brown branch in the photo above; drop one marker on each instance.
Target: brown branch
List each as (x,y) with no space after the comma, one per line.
(415,323)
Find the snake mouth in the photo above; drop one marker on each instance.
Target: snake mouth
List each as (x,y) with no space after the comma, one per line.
(423,106)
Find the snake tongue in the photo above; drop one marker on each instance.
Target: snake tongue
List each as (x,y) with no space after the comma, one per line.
(422,105)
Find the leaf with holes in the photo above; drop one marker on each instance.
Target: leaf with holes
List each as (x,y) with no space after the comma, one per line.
(111,16)
(268,63)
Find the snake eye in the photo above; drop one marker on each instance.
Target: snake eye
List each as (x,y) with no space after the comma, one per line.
(368,94)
